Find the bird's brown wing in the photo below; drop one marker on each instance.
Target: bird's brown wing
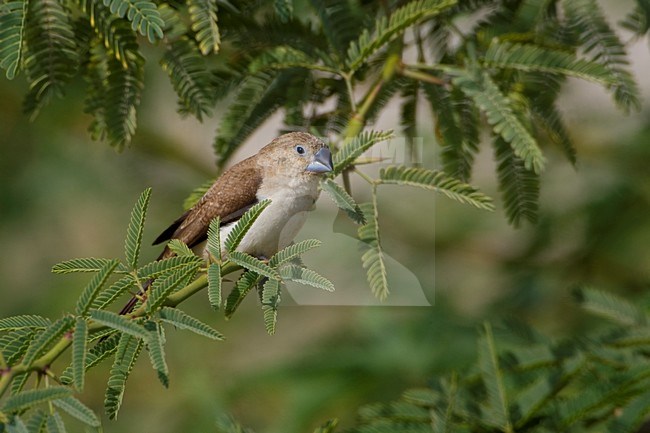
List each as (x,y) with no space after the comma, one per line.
(228,198)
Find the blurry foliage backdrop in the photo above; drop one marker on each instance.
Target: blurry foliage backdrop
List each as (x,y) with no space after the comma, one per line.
(63,196)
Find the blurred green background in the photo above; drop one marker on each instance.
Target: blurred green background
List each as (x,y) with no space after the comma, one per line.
(63,196)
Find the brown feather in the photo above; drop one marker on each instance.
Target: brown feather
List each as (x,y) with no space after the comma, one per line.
(228,198)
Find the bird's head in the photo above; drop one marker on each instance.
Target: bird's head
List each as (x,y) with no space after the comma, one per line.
(296,155)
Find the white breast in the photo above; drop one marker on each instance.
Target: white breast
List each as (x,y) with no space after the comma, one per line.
(280,222)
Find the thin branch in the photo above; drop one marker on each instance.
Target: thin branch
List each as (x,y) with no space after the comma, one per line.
(420,76)
(346,180)
(365,177)
(348,85)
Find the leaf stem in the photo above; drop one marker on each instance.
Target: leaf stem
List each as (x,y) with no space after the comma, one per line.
(365,177)
(5,379)
(420,76)
(348,85)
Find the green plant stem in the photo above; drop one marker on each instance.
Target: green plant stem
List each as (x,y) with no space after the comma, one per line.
(348,85)
(365,177)
(420,76)
(42,364)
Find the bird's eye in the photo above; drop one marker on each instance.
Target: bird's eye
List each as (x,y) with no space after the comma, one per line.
(300,150)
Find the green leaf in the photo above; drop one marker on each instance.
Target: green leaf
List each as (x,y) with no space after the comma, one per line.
(127,353)
(163,287)
(389,29)
(286,57)
(89,264)
(121,90)
(179,248)
(24,322)
(19,382)
(175,26)
(283,9)
(355,147)
(92,289)
(169,265)
(306,276)
(244,224)
(599,41)
(37,421)
(214,285)
(203,16)
(373,256)
(253,264)
(214,239)
(15,425)
(611,307)
(436,181)
(457,128)
(244,284)
(495,409)
(190,77)
(143,14)
(79,346)
(533,58)
(26,399)
(51,56)
(638,20)
(182,320)
(114,38)
(78,410)
(293,251)
(632,417)
(55,423)
(136,228)
(343,200)
(156,350)
(519,186)
(549,118)
(503,119)
(12,33)
(270,302)
(14,344)
(120,323)
(341,21)
(99,352)
(258,96)
(47,337)
(114,291)
(328,427)
(532,399)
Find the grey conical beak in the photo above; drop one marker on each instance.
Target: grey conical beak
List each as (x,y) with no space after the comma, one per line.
(322,162)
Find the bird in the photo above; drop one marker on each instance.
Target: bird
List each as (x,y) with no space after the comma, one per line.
(287,171)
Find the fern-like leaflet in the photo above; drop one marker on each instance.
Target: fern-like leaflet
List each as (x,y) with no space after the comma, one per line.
(203,15)
(388,29)
(12,33)
(51,56)
(373,253)
(190,78)
(437,181)
(143,14)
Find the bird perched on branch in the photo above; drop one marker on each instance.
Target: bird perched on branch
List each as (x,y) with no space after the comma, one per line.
(287,171)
